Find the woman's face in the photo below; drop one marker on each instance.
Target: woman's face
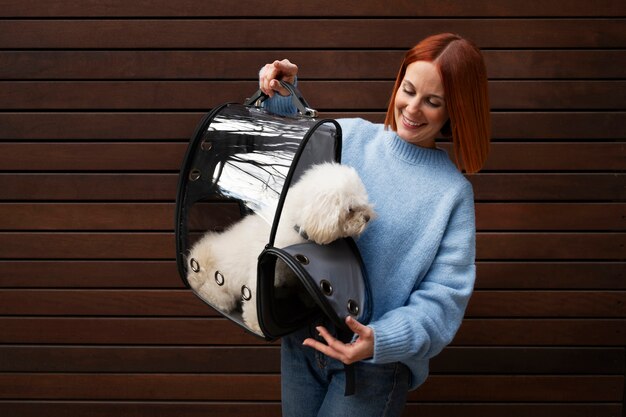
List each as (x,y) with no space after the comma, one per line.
(420,106)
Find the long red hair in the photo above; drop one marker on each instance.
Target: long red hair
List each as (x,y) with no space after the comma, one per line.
(464,77)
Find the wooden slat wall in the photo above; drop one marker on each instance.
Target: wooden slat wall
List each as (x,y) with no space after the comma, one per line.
(98,100)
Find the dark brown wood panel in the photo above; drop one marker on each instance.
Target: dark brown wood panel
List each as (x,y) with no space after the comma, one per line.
(521,388)
(152,126)
(158,245)
(149,156)
(159,216)
(258,359)
(125,331)
(591,275)
(97,104)
(324,95)
(89,274)
(165,408)
(312,33)
(542,332)
(551,275)
(272,409)
(216,331)
(182,303)
(263,8)
(253,387)
(313,64)
(159,187)
(547,304)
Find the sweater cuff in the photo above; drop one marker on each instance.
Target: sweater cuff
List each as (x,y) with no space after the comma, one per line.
(395,339)
(280,105)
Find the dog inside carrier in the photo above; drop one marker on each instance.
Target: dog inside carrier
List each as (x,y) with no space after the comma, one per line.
(266,218)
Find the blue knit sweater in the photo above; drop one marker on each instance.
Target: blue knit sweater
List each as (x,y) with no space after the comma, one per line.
(419,251)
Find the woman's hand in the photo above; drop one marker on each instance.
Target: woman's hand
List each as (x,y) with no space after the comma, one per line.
(271,74)
(361,348)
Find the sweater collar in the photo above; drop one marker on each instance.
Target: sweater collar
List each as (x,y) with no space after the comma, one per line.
(414,154)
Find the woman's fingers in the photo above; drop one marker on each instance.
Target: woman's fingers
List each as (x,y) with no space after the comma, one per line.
(361,348)
(271,74)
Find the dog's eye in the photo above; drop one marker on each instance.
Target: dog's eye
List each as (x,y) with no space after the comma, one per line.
(350,210)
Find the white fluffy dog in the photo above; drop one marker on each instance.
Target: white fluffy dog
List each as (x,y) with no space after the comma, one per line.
(328,202)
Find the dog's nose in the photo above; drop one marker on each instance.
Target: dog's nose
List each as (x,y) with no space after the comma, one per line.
(367,218)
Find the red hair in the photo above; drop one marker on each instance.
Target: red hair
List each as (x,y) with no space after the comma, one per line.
(464,78)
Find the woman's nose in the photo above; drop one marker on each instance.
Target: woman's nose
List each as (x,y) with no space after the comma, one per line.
(414,106)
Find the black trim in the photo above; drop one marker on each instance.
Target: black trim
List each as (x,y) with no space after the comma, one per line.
(294,164)
(180,214)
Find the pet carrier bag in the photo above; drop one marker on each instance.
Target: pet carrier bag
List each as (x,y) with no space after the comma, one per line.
(241,161)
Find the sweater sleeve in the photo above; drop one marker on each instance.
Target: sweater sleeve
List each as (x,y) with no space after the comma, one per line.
(429,320)
(281,105)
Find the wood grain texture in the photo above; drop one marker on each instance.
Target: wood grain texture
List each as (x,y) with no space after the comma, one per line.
(399,33)
(137,126)
(270,8)
(220,332)
(356,95)
(312,65)
(98,101)
(160,216)
(160,246)
(272,409)
(258,359)
(123,187)
(159,156)
(198,387)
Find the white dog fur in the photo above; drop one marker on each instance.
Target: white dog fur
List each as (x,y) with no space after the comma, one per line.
(328,202)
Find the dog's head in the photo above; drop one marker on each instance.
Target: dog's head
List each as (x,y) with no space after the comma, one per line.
(329,202)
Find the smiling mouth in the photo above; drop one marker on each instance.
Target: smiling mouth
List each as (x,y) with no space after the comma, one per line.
(411,123)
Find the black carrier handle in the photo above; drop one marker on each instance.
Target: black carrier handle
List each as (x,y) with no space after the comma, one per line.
(304,109)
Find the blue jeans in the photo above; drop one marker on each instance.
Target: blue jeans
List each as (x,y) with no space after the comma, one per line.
(313,384)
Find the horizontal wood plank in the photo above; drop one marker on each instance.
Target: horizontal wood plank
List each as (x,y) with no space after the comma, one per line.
(177,303)
(272,8)
(312,65)
(218,331)
(180,126)
(547,304)
(148,156)
(550,275)
(90,274)
(160,216)
(272,409)
(162,187)
(490,246)
(541,332)
(312,33)
(267,387)
(163,274)
(520,388)
(323,95)
(258,359)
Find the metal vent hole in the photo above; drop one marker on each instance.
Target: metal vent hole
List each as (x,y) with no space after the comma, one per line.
(302,259)
(195,266)
(353,307)
(327,288)
(219,278)
(206,145)
(194,175)
(246,294)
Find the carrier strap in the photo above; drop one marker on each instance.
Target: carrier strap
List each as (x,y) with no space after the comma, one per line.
(350,388)
(350,380)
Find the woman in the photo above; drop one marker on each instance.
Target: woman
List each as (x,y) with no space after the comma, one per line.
(419,252)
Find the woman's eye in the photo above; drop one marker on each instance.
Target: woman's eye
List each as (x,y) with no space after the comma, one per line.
(433,103)
(409,92)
